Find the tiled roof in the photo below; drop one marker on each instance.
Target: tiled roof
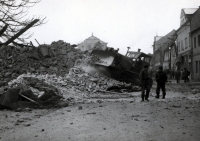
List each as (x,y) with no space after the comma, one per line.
(164,39)
(158,38)
(189,10)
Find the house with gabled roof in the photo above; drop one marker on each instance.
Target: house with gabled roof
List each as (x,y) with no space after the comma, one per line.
(186,14)
(195,45)
(183,39)
(161,47)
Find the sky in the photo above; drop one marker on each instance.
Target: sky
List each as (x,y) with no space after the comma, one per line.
(120,23)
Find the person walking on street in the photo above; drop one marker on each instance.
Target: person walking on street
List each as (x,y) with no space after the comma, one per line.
(186,73)
(181,74)
(177,76)
(161,79)
(145,83)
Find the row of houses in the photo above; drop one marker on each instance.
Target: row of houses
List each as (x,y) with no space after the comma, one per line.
(180,48)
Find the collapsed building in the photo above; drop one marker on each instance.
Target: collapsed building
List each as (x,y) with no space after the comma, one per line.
(54,68)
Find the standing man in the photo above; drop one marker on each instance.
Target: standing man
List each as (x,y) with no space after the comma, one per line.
(161,79)
(178,76)
(186,73)
(145,82)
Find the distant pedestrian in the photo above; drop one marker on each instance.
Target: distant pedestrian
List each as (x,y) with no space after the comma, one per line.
(145,83)
(172,74)
(181,74)
(177,76)
(186,74)
(161,79)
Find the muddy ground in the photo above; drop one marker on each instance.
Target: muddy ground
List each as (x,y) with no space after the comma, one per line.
(110,117)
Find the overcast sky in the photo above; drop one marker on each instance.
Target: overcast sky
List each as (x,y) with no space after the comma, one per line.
(120,23)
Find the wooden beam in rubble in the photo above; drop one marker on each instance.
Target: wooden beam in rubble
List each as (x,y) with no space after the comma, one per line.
(21,32)
(3,30)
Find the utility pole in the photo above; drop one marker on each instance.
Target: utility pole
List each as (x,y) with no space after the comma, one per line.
(170,67)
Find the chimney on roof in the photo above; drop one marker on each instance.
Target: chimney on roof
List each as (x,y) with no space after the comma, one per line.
(139,49)
(127,51)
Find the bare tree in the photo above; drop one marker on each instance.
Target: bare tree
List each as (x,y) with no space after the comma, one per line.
(13,19)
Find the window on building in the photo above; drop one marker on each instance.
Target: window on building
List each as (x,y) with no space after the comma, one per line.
(194,42)
(199,67)
(196,66)
(179,47)
(182,47)
(166,55)
(199,40)
(186,45)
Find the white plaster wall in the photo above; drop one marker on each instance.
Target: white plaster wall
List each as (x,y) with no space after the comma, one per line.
(182,34)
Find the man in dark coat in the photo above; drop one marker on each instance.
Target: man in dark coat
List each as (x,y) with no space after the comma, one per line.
(177,76)
(161,79)
(145,83)
(186,73)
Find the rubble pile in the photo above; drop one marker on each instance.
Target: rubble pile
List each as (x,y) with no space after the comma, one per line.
(39,74)
(56,58)
(76,79)
(39,88)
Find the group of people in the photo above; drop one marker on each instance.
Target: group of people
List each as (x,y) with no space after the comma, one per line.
(146,80)
(182,74)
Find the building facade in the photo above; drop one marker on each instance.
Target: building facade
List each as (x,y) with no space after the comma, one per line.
(92,43)
(170,55)
(155,56)
(162,48)
(183,39)
(195,42)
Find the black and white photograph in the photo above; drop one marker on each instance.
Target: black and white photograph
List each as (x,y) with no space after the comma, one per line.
(99,70)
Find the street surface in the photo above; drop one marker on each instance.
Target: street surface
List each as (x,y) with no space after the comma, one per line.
(175,118)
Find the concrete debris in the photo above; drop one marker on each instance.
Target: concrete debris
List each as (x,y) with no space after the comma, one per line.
(11,98)
(42,73)
(77,79)
(80,107)
(195,91)
(56,58)
(28,89)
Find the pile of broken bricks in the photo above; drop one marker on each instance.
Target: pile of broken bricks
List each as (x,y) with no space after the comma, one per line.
(56,58)
(76,79)
(40,88)
(54,67)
